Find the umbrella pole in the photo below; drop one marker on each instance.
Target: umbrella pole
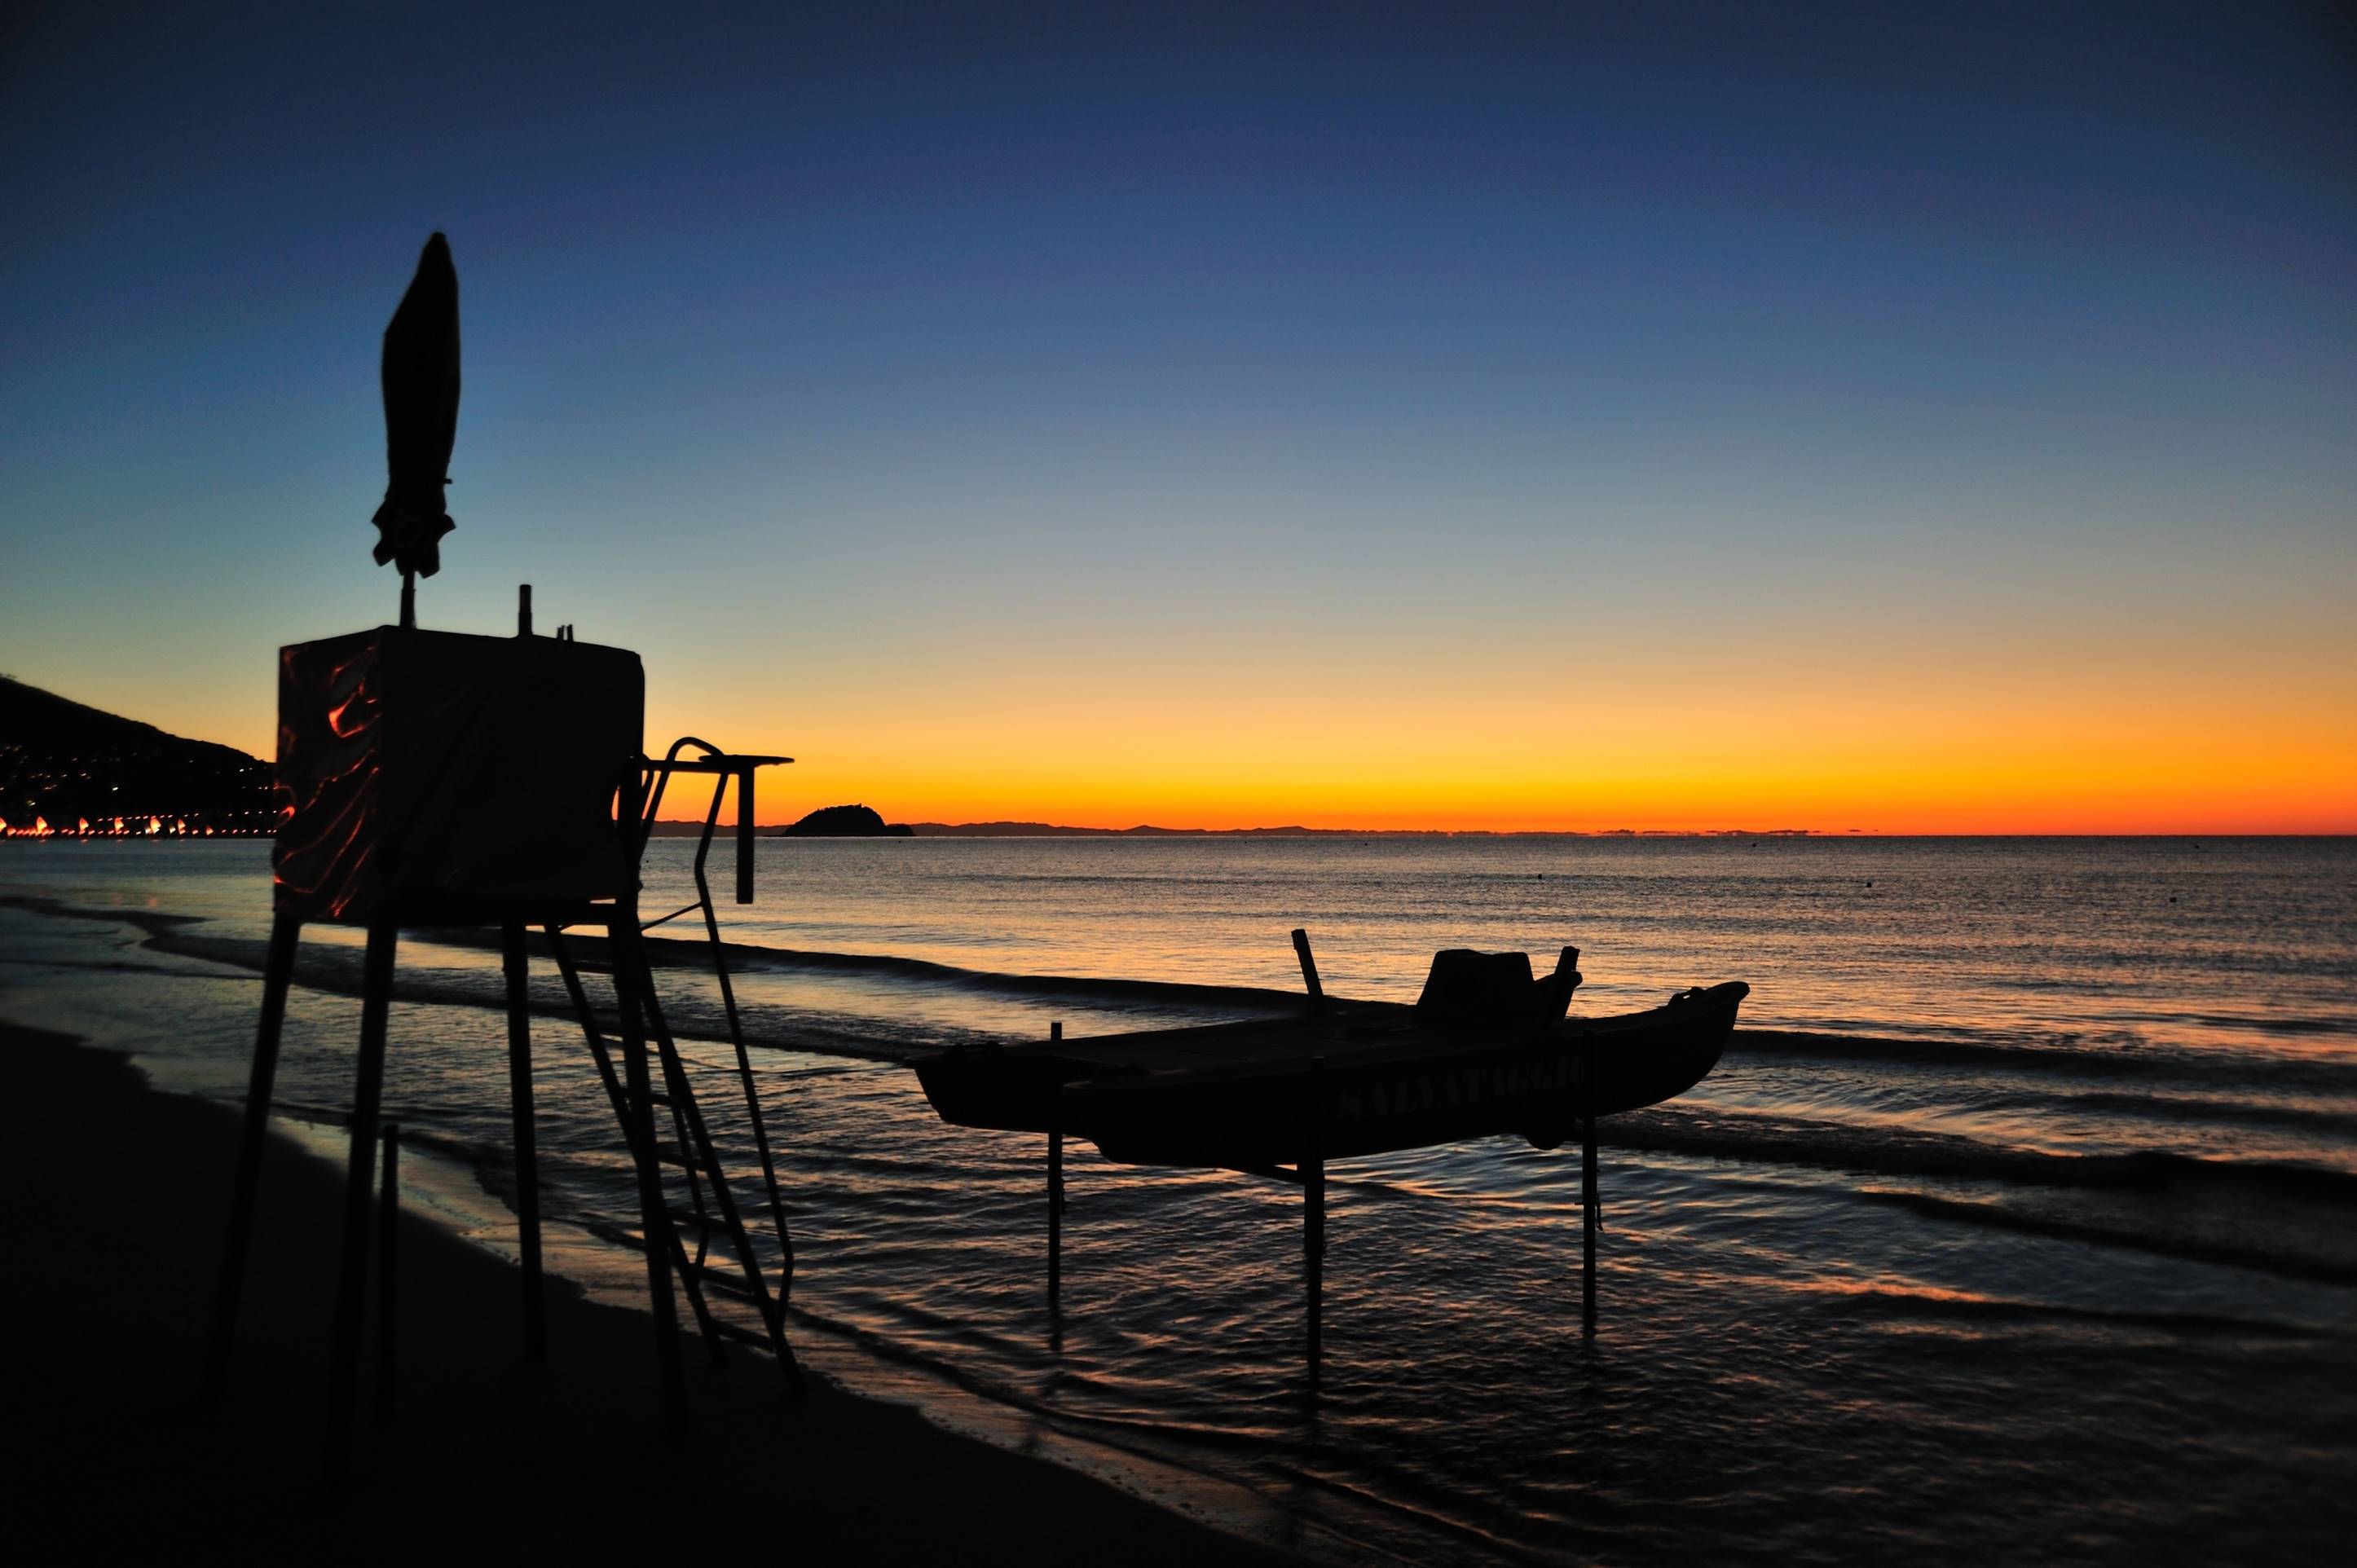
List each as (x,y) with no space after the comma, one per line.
(408,601)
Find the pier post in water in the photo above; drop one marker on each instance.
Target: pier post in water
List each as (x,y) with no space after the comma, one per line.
(1055,1202)
(1588,1209)
(1313,1213)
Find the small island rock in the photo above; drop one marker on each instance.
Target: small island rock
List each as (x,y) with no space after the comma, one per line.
(845,822)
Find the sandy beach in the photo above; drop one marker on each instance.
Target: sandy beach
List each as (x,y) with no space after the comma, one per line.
(478,1445)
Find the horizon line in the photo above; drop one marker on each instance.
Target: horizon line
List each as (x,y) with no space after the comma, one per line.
(1011,828)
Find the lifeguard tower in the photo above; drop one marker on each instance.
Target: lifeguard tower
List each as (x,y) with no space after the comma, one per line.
(436,779)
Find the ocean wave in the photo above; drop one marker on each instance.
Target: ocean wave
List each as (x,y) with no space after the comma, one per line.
(2281,1074)
(2327,1122)
(335,970)
(748,958)
(2281,1217)
(2320,1254)
(1918,1302)
(1897,1151)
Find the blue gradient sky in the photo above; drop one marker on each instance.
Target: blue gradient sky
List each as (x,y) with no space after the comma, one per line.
(1241,412)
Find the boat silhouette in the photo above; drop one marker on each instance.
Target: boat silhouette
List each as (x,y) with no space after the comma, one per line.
(1479,1054)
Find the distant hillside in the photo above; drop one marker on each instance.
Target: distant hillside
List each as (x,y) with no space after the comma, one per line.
(66,763)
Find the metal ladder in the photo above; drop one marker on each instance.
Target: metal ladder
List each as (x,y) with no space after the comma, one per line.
(703,1232)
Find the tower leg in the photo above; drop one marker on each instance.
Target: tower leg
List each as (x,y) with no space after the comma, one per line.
(277,975)
(527,1149)
(388,1232)
(343,1372)
(631,982)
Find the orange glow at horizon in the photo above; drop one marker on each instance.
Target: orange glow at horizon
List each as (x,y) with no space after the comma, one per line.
(2168,758)
(2229,707)
(2158,750)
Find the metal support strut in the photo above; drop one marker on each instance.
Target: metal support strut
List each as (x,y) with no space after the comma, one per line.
(277,975)
(639,1131)
(388,1232)
(344,1364)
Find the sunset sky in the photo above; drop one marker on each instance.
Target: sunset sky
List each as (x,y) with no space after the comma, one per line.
(1896,417)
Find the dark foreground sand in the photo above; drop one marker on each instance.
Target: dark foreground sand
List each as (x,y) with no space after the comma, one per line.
(112,1206)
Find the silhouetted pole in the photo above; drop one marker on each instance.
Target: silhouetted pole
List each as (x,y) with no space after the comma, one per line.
(527,1141)
(1056,1195)
(524,609)
(744,842)
(343,1371)
(1313,1212)
(388,1213)
(1308,967)
(277,975)
(1587,1202)
(409,601)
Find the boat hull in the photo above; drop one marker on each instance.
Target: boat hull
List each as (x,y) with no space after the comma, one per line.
(1358,1079)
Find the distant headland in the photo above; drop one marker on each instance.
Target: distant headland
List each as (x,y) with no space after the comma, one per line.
(68,771)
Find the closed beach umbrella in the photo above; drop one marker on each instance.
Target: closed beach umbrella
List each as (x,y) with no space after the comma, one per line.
(421,417)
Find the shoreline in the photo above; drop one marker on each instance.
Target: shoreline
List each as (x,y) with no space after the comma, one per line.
(474,1434)
(1888,1211)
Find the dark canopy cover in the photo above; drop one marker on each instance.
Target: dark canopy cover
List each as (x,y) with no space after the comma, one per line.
(421,415)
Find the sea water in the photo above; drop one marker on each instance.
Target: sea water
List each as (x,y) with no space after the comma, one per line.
(2018,1221)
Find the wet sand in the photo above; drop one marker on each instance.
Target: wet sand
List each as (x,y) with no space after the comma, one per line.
(110,1293)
